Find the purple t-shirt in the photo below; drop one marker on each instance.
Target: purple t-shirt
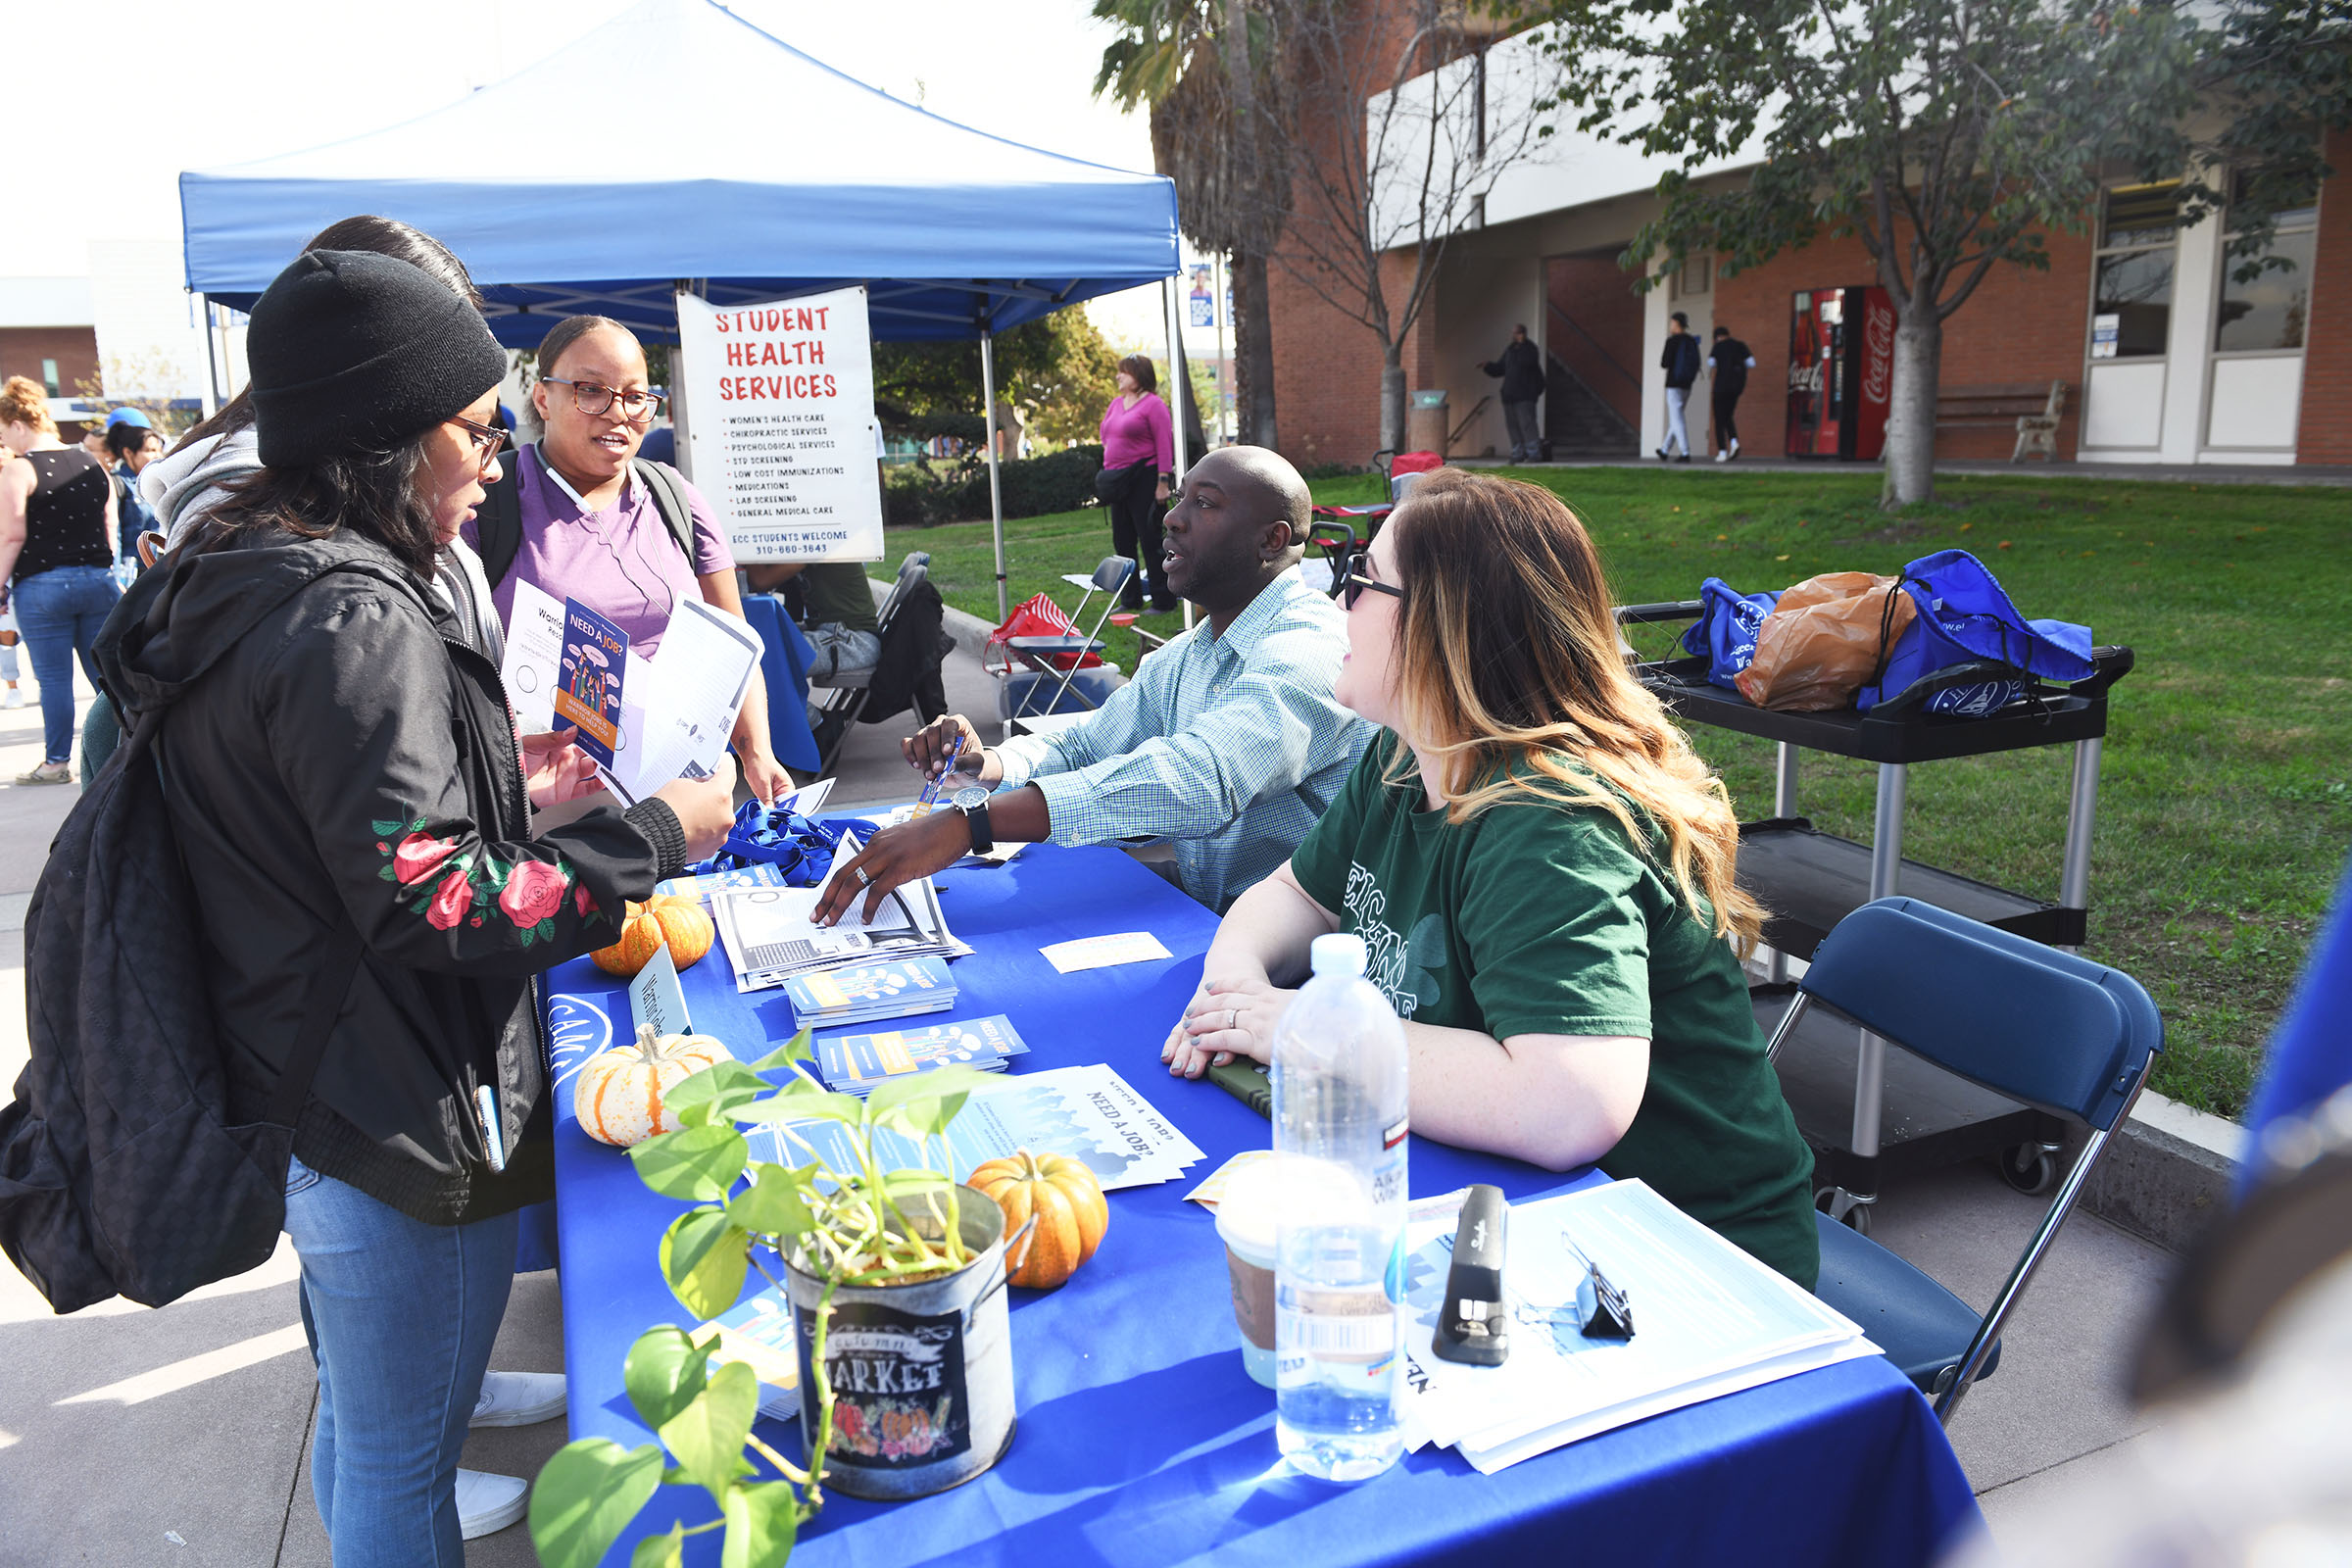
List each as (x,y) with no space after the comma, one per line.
(620,562)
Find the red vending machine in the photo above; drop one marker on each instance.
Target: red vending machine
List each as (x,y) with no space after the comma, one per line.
(1841,370)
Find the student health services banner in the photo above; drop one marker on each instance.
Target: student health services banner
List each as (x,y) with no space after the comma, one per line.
(780,415)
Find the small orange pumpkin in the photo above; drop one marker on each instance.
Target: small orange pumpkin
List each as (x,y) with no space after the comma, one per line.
(617,1095)
(1066,1202)
(666,917)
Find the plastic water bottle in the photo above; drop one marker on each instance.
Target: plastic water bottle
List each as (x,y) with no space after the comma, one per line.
(1339,1119)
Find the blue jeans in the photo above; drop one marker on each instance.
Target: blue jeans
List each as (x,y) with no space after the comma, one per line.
(60,612)
(401,1316)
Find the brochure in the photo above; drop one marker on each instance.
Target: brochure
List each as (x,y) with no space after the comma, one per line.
(757,1332)
(588,680)
(534,655)
(770,937)
(863,993)
(854,1063)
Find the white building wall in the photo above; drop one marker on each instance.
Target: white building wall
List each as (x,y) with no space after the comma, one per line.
(150,329)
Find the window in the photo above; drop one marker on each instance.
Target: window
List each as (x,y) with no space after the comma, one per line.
(49,376)
(1694,278)
(2265,314)
(2131,299)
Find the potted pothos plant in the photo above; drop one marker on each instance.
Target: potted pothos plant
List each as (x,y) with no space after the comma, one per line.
(896,1276)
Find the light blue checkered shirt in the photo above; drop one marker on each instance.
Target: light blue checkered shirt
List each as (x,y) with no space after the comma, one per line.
(1231,746)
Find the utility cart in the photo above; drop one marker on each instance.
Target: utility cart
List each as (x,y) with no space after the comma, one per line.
(1867,1116)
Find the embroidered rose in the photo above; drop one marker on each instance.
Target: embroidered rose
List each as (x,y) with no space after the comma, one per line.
(533,893)
(451,900)
(583,901)
(420,856)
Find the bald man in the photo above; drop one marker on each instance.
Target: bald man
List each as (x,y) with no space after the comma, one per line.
(1227,741)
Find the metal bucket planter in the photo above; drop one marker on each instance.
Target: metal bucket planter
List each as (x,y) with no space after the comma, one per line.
(922,1373)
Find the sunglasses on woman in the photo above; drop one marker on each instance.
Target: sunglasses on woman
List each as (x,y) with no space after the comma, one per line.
(1352,582)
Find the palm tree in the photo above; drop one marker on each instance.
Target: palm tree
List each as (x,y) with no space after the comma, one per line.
(1218,110)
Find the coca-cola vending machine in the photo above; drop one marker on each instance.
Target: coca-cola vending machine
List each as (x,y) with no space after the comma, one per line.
(1841,370)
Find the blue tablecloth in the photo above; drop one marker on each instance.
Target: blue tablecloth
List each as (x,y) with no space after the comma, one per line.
(784,666)
(1142,1442)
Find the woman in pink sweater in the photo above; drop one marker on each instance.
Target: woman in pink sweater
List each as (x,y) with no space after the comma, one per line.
(1139,467)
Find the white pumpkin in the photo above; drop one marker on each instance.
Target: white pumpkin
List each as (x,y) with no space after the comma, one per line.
(618,1096)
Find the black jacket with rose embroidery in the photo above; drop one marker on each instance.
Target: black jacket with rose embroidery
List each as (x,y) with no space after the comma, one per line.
(335,751)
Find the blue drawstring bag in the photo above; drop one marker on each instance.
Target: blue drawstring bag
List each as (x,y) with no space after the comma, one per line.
(1725,633)
(800,849)
(1965,616)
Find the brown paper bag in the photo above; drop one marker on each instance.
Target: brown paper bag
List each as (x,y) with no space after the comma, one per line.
(1822,642)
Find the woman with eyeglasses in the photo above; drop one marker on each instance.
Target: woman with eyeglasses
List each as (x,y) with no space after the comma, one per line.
(593,531)
(1543,872)
(354,811)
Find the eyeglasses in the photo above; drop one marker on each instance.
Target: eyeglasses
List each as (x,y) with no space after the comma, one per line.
(590,397)
(489,440)
(1352,582)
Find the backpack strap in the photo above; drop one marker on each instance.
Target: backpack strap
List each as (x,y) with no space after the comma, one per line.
(331,983)
(498,523)
(669,487)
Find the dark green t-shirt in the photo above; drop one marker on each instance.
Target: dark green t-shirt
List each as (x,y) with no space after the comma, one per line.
(835,593)
(1540,918)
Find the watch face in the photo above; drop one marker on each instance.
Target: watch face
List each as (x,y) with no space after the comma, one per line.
(970,796)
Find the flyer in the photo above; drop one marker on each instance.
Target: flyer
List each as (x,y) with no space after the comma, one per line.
(588,678)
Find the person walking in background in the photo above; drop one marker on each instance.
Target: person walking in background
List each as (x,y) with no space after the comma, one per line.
(57,544)
(1680,360)
(1522,370)
(1731,361)
(134,442)
(1139,470)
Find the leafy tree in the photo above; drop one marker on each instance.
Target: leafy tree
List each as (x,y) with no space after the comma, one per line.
(1058,371)
(1209,70)
(1949,136)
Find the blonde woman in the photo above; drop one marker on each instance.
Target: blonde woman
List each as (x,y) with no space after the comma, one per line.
(1542,870)
(57,540)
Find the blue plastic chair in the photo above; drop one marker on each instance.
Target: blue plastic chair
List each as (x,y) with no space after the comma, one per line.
(2056,1032)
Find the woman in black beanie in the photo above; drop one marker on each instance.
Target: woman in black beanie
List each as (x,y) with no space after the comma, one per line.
(354,809)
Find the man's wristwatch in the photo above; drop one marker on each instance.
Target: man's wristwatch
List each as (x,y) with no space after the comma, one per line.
(973,802)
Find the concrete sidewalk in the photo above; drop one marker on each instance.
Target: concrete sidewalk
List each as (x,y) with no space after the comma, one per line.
(179,1436)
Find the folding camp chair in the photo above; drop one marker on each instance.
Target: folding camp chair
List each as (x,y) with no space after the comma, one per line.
(2059,1032)
(1061,655)
(844,694)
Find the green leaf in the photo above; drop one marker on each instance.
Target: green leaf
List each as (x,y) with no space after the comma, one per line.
(771,1205)
(713,1092)
(796,1049)
(529,936)
(386,874)
(586,1495)
(923,1105)
(801,1102)
(705,1258)
(384,830)
(695,1163)
(547,930)
(664,1371)
(661,1551)
(762,1517)
(707,1437)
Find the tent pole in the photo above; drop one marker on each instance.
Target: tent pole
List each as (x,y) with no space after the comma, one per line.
(996,485)
(212,361)
(700,287)
(1168,291)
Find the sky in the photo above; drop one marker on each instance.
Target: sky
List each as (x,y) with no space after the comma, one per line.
(130,93)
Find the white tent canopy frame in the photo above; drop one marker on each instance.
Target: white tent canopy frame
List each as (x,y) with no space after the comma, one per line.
(714,198)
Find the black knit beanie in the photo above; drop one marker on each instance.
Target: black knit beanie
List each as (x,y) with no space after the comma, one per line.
(353,352)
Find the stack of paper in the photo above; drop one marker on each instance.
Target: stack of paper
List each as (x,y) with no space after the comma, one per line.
(1088,1113)
(863,993)
(770,937)
(705,884)
(759,1333)
(1708,1320)
(854,1063)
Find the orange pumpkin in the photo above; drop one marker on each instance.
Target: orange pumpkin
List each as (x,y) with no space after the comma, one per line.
(617,1095)
(666,917)
(1064,1200)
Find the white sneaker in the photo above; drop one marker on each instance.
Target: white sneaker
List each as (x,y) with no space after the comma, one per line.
(488,1503)
(14,699)
(1723,456)
(518,1399)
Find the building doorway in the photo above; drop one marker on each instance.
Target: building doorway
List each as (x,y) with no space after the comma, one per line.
(1592,357)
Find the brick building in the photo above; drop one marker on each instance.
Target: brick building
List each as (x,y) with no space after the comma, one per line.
(2162,356)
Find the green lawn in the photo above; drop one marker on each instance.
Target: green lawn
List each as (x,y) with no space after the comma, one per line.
(2224,814)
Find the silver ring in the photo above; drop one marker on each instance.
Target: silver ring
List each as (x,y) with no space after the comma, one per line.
(1233,1017)
(862,879)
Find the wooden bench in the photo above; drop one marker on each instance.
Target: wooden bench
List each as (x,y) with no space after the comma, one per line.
(2032,408)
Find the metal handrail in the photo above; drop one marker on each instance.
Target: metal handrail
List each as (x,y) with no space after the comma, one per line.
(1606,356)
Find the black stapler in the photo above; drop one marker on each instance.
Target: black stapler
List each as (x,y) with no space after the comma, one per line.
(1474,1324)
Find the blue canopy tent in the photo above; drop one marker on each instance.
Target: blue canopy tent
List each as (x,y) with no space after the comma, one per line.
(755,174)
